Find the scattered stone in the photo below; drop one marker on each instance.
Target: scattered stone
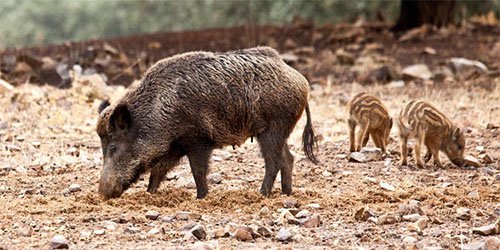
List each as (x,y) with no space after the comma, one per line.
(132,230)
(409,240)
(99,231)
(156,230)
(472,161)
(492,126)
(396,84)
(167,218)
(74,188)
(188,226)
(373,220)
(429,50)
(419,225)
(459,65)
(491,229)
(152,215)
(313,206)
(411,217)
(290,203)
(387,186)
(313,222)
(416,71)
(25,231)
(463,213)
(363,214)
(286,217)
(477,245)
(221,233)
(21,170)
(187,216)
(407,209)
(199,232)
(485,158)
(189,237)
(264,232)
(264,212)
(366,154)
(215,178)
(124,218)
(59,242)
(388,218)
(344,57)
(201,246)
(284,235)
(302,214)
(109,225)
(243,233)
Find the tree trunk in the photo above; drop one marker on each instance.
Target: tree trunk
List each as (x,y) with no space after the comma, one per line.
(414,13)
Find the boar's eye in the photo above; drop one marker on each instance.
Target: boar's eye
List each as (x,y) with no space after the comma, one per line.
(111,149)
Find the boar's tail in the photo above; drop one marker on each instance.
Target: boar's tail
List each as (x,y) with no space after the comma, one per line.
(309,139)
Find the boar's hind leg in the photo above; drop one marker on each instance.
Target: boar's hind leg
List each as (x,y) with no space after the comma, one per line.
(198,160)
(286,171)
(271,145)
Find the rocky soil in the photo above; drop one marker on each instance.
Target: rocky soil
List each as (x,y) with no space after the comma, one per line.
(50,158)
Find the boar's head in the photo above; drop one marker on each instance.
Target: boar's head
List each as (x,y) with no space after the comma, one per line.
(454,146)
(121,167)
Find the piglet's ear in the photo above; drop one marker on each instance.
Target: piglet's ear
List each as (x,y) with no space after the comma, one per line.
(104,104)
(390,122)
(121,118)
(456,134)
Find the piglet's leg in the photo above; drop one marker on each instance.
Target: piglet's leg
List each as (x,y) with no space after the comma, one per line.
(352,129)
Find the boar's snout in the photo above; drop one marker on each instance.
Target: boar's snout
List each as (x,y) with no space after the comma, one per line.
(109,187)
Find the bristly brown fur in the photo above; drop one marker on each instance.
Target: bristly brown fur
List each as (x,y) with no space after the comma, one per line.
(372,116)
(421,120)
(194,102)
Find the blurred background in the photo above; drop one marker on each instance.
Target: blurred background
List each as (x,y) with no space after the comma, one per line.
(30,22)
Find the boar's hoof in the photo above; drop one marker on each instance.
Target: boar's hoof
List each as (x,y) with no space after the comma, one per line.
(201,195)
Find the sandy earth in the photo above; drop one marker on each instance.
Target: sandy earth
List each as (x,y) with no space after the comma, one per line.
(49,143)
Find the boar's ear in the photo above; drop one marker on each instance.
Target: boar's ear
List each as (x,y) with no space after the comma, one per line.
(121,118)
(390,122)
(104,104)
(456,134)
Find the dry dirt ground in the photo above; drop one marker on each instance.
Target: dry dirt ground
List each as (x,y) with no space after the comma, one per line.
(48,144)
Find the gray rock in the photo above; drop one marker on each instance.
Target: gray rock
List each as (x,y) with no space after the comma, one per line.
(284,235)
(313,222)
(366,154)
(243,233)
(363,214)
(132,230)
(463,213)
(459,65)
(478,245)
(417,71)
(264,232)
(302,214)
(215,178)
(74,188)
(490,229)
(199,232)
(59,242)
(152,215)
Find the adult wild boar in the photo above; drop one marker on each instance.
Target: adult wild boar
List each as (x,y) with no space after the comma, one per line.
(192,103)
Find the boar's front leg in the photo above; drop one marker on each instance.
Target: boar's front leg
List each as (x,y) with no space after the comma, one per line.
(158,172)
(198,160)
(160,169)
